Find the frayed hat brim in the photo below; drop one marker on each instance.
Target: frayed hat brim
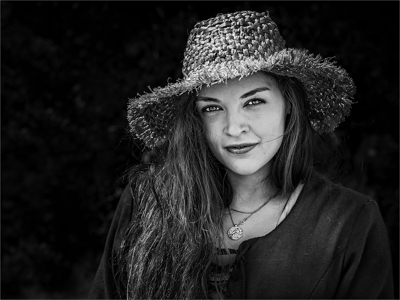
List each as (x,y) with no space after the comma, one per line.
(328,87)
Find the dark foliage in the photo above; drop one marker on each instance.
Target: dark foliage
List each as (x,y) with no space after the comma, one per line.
(68,69)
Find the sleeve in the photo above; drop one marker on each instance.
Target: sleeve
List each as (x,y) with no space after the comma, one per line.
(367,267)
(105,285)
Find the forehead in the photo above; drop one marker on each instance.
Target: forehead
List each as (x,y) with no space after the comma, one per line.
(237,85)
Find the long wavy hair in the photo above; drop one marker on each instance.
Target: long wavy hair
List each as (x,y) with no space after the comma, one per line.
(180,198)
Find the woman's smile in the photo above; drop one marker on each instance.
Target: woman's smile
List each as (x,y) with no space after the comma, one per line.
(240,148)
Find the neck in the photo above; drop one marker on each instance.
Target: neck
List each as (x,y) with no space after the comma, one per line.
(250,191)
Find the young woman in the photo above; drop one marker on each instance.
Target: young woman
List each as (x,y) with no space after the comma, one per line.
(232,206)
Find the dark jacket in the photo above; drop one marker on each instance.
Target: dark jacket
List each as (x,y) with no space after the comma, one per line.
(333,244)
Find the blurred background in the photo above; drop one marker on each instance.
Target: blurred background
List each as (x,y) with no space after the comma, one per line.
(67,71)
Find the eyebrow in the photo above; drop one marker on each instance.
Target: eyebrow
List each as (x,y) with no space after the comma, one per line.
(245,95)
(255,91)
(207,99)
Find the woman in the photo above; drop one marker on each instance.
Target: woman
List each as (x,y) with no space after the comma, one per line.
(232,205)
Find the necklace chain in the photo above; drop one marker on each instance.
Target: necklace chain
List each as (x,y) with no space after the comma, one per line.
(242,212)
(235,232)
(252,213)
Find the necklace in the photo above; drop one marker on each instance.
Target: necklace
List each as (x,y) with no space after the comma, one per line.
(242,212)
(236,232)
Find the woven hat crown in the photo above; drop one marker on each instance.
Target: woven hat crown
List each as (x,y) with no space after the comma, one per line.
(230,37)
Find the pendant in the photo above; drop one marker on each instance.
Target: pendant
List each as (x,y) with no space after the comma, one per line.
(235,232)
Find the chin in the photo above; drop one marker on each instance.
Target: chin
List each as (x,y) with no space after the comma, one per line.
(244,172)
(247,169)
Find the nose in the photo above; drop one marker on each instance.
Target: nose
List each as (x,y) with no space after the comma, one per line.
(235,124)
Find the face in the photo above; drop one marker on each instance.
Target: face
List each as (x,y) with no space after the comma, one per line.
(245,122)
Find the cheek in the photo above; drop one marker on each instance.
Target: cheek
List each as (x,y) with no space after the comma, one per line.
(212,138)
(213,130)
(269,127)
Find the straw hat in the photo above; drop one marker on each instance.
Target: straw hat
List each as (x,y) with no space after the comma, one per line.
(237,45)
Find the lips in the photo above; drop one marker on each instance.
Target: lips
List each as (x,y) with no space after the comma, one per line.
(240,148)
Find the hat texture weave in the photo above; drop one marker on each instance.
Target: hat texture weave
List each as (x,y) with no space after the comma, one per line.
(238,45)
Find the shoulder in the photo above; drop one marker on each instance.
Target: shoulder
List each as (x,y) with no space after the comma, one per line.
(324,193)
(335,211)
(126,199)
(123,215)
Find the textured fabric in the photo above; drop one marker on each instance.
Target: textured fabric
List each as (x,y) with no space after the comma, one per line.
(219,272)
(333,244)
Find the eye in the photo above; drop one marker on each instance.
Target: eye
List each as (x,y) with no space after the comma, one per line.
(254,102)
(210,109)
